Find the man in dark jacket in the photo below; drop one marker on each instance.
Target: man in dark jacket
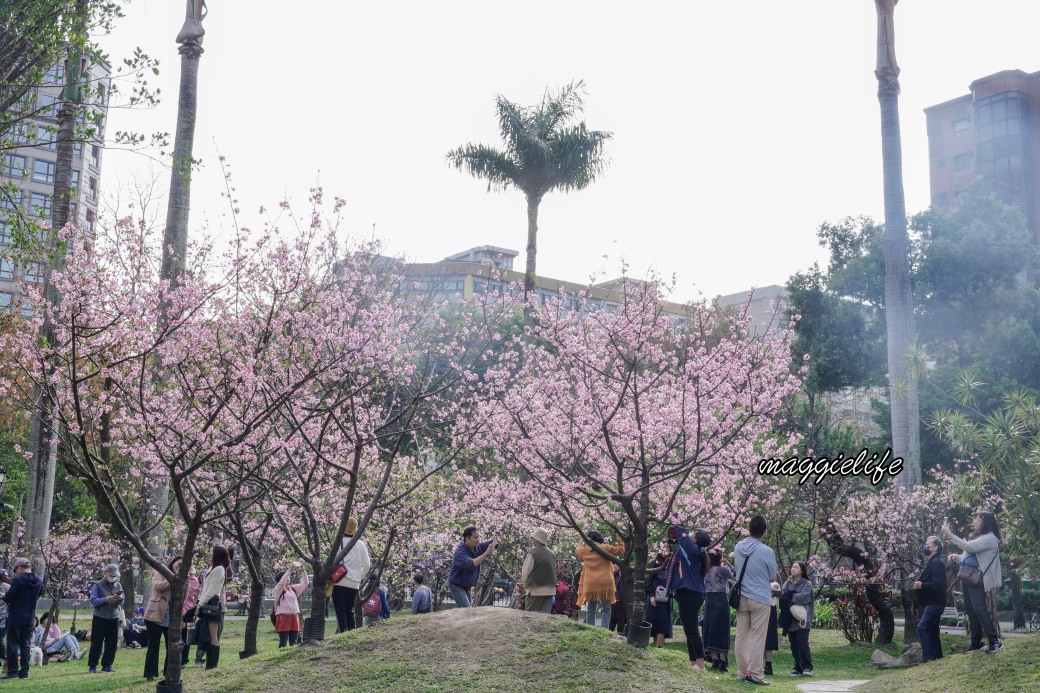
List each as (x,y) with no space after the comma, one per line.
(21,600)
(931,595)
(465,564)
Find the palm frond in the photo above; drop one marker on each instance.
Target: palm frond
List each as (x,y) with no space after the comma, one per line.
(485,163)
(579,156)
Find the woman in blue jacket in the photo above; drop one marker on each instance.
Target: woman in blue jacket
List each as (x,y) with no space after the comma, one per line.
(686,586)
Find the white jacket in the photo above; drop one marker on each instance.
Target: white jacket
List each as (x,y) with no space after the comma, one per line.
(357,562)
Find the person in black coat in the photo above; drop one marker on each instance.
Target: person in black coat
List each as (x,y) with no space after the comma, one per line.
(931,596)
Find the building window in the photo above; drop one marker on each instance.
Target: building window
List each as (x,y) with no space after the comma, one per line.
(95,156)
(46,138)
(962,162)
(90,222)
(6,269)
(40,204)
(55,75)
(5,233)
(26,310)
(10,200)
(34,272)
(75,179)
(92,189)
(48,105)
(13,166)
(960,127)
(43,171)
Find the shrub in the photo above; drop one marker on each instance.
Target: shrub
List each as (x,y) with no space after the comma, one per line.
(856,615)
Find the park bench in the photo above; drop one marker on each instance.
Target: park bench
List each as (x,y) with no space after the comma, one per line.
(952,614)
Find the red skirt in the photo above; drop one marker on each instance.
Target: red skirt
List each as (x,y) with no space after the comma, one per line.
(287,623)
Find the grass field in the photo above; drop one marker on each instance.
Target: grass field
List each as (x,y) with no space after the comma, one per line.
(493,649)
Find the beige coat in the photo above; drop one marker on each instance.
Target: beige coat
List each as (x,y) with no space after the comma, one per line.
(597,573)
(159,602)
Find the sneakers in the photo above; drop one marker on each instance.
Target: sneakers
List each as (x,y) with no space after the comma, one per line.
(795,672)
(92,670)
(975,648)
(79,654)
(807,672)
(997,646)
(108,670)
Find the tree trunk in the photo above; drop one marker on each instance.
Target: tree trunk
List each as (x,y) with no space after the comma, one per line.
(256,603)
(175,236)
(43,463)
(1016,599)
(637,608)
(532,253)
(176,606)
(318,602)
(899,308)
(911,614)
(127,580)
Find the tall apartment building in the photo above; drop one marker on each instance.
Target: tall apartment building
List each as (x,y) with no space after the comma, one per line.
(992,132)
(30,165)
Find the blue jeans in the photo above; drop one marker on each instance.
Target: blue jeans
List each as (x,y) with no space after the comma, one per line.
(604,610)
(459,594)
(928,631)
(65,642)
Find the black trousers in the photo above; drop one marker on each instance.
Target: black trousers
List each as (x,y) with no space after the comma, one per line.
(689,606)
(979,621)
(343,599)
(185,646)
(104,635)
(156,631)
(18,645)
(799,640)
(288,638)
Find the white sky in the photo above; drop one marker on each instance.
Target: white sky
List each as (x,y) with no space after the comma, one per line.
(738,126)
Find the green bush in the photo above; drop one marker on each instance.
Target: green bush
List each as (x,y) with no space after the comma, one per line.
(823,615)
(1030,600)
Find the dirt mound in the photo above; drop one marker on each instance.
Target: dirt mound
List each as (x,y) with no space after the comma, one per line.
(481,649)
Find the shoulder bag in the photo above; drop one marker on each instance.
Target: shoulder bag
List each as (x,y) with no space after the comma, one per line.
(734,594)
(972,576)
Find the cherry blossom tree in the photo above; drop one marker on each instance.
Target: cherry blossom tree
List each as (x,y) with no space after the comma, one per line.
(629,418)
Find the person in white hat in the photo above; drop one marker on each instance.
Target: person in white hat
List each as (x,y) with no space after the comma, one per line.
(539,573)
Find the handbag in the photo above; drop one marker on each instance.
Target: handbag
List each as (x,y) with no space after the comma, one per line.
(734,593)
(971,576)
(799,613)
(338,573)
(661,594)
(210,609)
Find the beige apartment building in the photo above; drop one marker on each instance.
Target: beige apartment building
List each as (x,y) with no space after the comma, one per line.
(28,161)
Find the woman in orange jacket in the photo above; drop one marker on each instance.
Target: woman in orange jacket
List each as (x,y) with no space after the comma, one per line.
(596,586)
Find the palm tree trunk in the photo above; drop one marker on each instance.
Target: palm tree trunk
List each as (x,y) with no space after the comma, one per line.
(532,253)
(899,307)
(43,463)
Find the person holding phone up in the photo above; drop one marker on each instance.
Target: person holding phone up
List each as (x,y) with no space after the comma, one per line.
(107,597)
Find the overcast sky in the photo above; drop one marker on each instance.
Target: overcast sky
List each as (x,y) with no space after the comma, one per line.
(738,126)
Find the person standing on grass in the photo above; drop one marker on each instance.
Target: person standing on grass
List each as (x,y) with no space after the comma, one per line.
(465,564)
(422,598)
(596,584)
(157,620)
(539,574)
(772,641)
(287,606)
(344,593)
(107,597)
(213,594)
(5,584)
(686,574)
(980,550)
(797,591)
(931,596)
(659,602)
(21,600)
(755,566)
(716,610)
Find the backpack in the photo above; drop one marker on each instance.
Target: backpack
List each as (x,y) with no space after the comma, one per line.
(373,605)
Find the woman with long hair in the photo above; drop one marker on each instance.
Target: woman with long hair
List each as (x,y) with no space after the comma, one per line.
(596,585)
(659,603)
(211,620)
(981,550)
(686,574)
(716,610)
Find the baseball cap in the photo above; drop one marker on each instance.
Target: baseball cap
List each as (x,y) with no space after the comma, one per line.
(22,563)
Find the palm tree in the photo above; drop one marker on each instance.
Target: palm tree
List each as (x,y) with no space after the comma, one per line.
(544,150)
(899,304)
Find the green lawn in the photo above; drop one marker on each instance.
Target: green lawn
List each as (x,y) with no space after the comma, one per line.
(493,649)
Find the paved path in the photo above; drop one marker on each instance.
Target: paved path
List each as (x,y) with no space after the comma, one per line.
(829,686)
